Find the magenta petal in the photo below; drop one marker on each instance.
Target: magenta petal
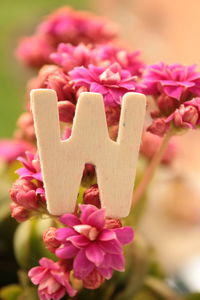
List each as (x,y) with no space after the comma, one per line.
(63,233)
(86,211)
(97,219)
(82,266)
(37,274)
(68,251)
(107,235)
(79,241)
(95,254)
(106,272)
(70,220)
(117,262)
(112,246)
(125,235)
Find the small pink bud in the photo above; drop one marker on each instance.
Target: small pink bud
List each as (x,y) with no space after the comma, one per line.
(66,111)
(50,241)
(166,104)
(159,127)
(91,196)
(113,223)
(93,280)
(20,213)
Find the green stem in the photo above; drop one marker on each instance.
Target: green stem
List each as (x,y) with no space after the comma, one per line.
(148,175)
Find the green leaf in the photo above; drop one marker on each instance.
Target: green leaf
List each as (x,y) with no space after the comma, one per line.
(10,292)
(28,244)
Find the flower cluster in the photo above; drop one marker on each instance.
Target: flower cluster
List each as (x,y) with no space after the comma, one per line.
(173,86)
(64,25)
(90,245)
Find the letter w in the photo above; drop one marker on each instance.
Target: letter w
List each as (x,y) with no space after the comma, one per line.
(62,162)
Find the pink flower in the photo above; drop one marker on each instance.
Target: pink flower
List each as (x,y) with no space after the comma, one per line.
(112,82)
(49,238)
(109,54)
(27,194)
(187,115)
(18,212)
(25,128)
(53,280)
(91,196)
(66,111)
(175,80)
(158,127)
(69,26)
(31,169)
(34,51)
(150,145)
(91,244)
(11,149)
(93,280)
(112,115)
(166,104)
(69,56)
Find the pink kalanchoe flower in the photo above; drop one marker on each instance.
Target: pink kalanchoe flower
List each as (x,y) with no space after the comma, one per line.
(175,80)
(112,82)
(49,238)
(53,280)
(91,244)
(187,115)
(34,51)
(66,111)
(31,169)
(25,128)
(69,56)
(150,145)
(27,194)
(11,149)
(108,54)
(93,281)
(18,212)
(53,77)
(91,196)
(68,26)
(159,127)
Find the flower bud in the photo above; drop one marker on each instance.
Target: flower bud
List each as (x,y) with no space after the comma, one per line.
(113,223)
(50,241)
(66,111)
(158,127)
(93,280)
(91,196)
(20,213)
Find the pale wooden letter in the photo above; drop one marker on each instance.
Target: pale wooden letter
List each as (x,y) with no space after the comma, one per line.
(62,162)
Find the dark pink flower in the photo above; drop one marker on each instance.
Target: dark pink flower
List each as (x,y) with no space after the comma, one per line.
(159,127)
(66,111)
(108,54)
(49,238)
(91,244)
(11,149)
(69,56)
(31,169)
(166,104)
(187,115)
(91,196)
(112,115)
(112,82)
(175,80)
(150,145)
(93,280)
(34,51)
(68,26)
(18,212)
(27,194)
(52,280)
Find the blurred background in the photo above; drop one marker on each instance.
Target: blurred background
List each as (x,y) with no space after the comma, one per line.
(163,30)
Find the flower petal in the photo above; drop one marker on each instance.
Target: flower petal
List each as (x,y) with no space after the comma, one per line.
(86,211)
(70,220)
(79,241)
(112,246)
(125,235)
(68,251)
(82,266)
(107,235)
(97,219)
(95,254)
(63,233)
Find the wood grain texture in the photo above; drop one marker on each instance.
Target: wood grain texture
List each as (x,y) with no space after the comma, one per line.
(62,162)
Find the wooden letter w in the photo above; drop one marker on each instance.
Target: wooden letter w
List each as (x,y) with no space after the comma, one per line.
(62,162)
